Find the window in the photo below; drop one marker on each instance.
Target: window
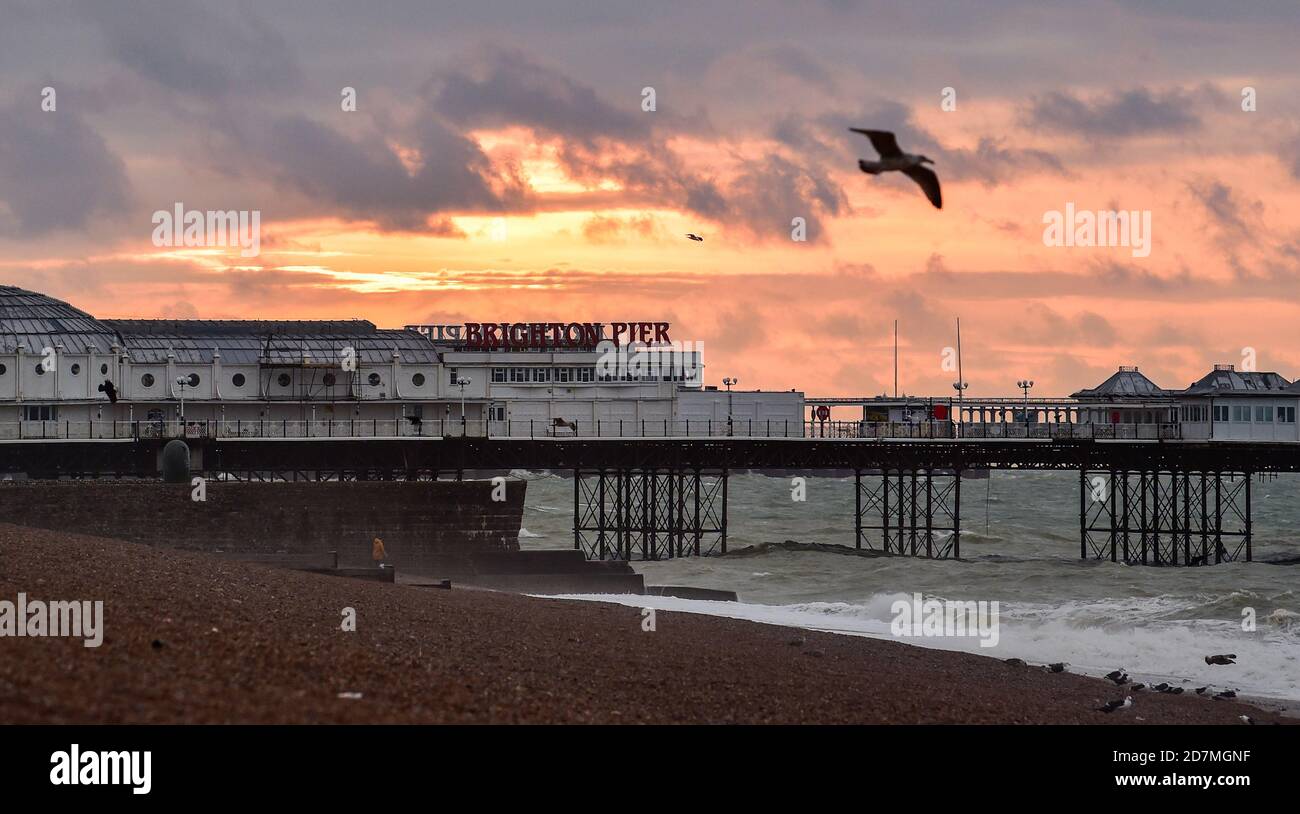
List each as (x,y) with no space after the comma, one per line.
(1286,415)
(452,376)
(586,374)
(193,380)
(40,368)
(418,380)
(283,380)
(329,380)
(3,370)
(498,374)
(238,380)
(374,379)
(147,380)
(518,374)
(497,412)
(40,412)
(541,374)
(76,368)
(1241,414)
(1220,412)
(564,374)
(1264,413)
(103,370)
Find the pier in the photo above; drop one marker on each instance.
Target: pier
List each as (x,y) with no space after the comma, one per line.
(1153,502)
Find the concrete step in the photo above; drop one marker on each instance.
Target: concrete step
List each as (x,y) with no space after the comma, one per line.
(561,583)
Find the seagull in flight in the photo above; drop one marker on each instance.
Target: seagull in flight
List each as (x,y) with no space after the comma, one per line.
(695,237)
(894,159)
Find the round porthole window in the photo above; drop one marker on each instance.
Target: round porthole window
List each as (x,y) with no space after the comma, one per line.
(418,380)
(147,380)
(237,380)
(283,380)
(374,380)
(103,370)
(3,370)
(193,380)
(329,380)
(76,368)
(40,369)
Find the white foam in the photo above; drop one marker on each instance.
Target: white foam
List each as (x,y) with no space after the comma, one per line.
(1089,641)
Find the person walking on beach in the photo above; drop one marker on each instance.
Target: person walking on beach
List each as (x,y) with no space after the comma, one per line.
(377,552)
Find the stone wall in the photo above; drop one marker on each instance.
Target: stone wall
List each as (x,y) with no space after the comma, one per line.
(428,527)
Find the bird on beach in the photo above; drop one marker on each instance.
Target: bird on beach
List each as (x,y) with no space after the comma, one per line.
(1230,658)
(1138,687)
(1225,695)
(1058,667)
(1118,676)
(1246,719)
(893,159)
(695,237)
(1111,706)
(1161,687)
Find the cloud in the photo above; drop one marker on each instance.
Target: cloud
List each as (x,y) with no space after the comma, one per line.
(1120,114)
(56,172)
(183,46)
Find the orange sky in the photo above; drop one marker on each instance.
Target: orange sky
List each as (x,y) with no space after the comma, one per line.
(391,213)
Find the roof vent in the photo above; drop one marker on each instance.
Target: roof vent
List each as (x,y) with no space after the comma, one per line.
(1225,367)
(1128,369)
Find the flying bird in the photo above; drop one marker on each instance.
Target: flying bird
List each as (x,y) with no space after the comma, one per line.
(892,159)
(1230,658)
(695,237)
(1111,706)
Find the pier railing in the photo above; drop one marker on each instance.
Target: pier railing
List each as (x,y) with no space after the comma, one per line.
(544,428)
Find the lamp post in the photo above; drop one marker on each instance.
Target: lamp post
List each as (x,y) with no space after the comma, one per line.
(729,381)
(181,381)
(1025,384)
(960,386)
(462,382)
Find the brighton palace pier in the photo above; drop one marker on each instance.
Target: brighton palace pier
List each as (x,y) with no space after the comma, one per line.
(64,373)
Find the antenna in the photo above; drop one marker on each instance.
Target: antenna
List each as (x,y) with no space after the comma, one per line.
(895,358)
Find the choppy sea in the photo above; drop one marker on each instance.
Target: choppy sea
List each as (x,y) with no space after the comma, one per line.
(1020,548)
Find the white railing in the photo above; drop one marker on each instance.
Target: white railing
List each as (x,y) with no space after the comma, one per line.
(542,428)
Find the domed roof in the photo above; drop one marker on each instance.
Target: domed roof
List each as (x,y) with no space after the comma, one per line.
(36,322)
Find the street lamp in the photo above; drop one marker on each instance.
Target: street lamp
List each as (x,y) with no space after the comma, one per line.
(1025,384)
(181,381)
(729,381)
(960,386)
(462,382)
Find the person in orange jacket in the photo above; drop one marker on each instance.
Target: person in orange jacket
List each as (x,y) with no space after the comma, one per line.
(377,552)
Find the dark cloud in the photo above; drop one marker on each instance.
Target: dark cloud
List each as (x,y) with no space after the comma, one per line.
(183,46)
(1120,114)
(1225,208)
(511,89)
(56,172)
(991,163)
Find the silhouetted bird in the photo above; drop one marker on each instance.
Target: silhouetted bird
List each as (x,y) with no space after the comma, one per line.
(1111,706)
(892,159)
(1228,659)
(1225,695)
(1058,667)
(109,390)
(1118,676)
(695,237)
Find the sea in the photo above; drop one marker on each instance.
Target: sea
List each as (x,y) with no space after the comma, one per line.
(793,563)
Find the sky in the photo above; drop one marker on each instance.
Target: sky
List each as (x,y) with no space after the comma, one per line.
(500,165)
